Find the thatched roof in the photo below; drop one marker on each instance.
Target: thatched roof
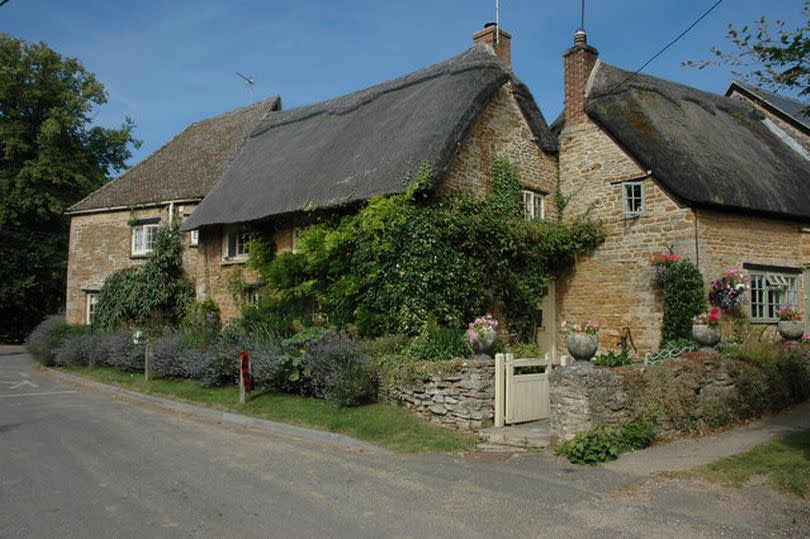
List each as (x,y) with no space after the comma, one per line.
(187,166)
(706,149)
(792,110)
(362,144)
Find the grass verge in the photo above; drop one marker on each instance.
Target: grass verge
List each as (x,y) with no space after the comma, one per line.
(384,425)
(785,461)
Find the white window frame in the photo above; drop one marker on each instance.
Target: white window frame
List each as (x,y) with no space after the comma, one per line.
(90,302)
(294,240)
(771,290)
(533,205)
(141,236)
(251,296)
(630,198)
(194,238)
(241,249)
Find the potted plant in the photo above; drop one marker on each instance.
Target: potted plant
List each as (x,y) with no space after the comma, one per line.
(706,330)
(728,292)
(582,340)
(790,325)
(481,333)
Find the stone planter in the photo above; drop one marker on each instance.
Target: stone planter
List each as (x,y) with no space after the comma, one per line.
(791,330)
(706,336)
(482,347)
(582,346)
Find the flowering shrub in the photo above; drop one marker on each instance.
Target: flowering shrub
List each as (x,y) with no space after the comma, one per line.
(591,327)
(482,328)
(788,312)
(728,292)
(659,262)
(712,318)
(805,338)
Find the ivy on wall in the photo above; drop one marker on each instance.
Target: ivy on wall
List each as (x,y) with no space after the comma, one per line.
(152,295)
(684,298)
(405,259)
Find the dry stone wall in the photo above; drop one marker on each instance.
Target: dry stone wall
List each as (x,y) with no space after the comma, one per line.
(462,397)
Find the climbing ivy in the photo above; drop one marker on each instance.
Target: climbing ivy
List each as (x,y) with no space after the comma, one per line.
(152,295)
(405,259)
(684,298)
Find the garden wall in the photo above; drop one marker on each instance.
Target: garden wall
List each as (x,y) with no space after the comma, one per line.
(461,396)
(683,396)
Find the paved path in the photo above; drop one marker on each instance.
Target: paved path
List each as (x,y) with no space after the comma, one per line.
(76,462)
(687,454)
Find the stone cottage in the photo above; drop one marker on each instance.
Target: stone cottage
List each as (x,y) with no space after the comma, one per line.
(723,181)
(455,115)
(114,227)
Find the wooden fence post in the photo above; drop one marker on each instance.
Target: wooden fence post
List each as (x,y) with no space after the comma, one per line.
(148,351)
(499,389)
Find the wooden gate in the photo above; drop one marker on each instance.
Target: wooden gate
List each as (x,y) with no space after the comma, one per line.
(521,389)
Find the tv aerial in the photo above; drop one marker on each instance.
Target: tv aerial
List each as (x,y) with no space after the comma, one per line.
(249,82)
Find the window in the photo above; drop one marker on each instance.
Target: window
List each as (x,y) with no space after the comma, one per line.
(295,239)
(92,300)
(633,198)
(235,244)
(194,238)
(533,205)
(252,296)
(143,239)
(771,290)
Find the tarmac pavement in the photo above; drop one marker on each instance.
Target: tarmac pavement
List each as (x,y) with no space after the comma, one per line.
(79,462)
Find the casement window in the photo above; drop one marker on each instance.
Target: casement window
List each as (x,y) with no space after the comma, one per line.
(771,290)
(235,244)
(194,238)
(295,239)
(91,299)
(533,205)
(143,238)
(633,196)
(251,296)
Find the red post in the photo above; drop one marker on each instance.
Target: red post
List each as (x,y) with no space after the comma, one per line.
(245,377)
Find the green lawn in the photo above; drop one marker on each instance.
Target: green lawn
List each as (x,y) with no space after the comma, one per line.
(785,461)
(381,424)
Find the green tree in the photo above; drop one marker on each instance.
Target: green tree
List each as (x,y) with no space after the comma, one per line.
(768,55)
(51,156)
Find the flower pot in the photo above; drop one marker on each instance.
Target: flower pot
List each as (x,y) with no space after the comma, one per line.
(705,335)
(582,346)
(791,330)
(482,346)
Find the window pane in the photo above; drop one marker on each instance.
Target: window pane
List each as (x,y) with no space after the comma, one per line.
(137,239)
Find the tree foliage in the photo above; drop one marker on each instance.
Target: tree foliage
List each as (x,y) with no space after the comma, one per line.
(406,259)
(153,295)
(51,156)
(769,55)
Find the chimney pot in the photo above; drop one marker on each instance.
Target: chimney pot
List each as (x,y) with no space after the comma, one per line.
(578,61)
(500,42)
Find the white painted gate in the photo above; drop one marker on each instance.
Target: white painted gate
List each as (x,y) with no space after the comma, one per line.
(521,396)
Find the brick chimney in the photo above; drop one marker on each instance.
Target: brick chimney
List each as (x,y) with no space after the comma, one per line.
(502,45)
(578,63)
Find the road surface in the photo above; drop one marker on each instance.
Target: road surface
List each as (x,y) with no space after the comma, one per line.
(77,462)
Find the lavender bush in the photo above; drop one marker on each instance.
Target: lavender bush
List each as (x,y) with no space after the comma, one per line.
(336,371)
(174,356)
(81,350)
(46,338)
(122,353)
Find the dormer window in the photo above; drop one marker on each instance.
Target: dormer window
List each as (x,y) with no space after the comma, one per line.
(235,244)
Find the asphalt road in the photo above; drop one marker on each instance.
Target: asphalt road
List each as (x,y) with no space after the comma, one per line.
(77,462)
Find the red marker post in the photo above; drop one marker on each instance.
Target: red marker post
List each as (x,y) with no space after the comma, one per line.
(245,377)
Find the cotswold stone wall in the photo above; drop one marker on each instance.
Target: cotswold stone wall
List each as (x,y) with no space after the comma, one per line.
(101,243)
(501,130)
(462,397)
(615,285)
(685,395)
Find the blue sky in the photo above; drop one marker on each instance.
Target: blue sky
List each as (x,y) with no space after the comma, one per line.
(169,63)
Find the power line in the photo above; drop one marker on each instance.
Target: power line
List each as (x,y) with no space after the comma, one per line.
(660,52)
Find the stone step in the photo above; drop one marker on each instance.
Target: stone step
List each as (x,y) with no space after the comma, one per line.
(534,435)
